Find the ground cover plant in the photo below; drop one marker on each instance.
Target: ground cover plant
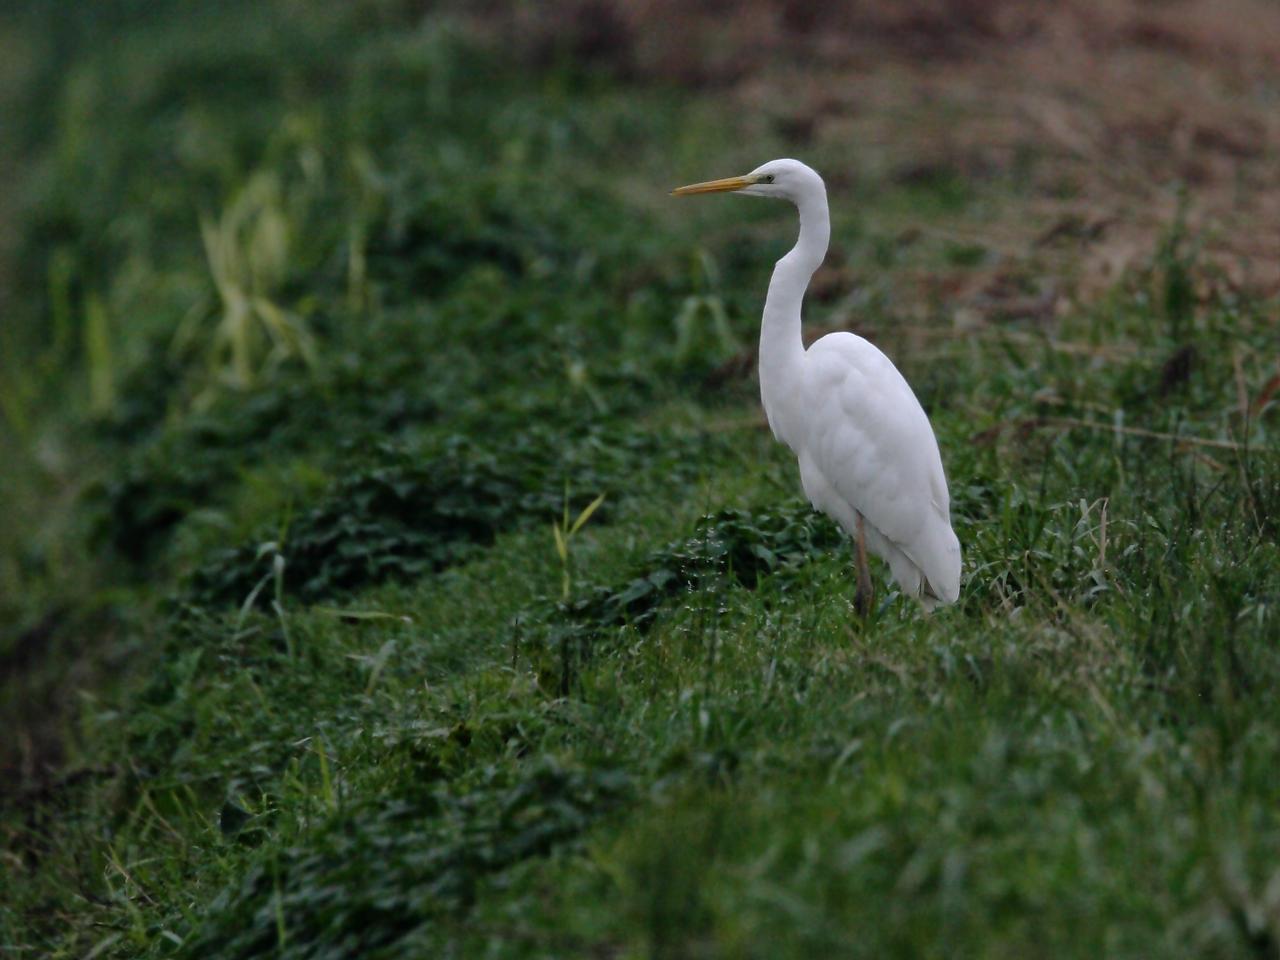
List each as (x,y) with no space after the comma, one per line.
(396,562)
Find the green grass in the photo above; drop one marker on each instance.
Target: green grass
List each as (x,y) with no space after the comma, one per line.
(294,665)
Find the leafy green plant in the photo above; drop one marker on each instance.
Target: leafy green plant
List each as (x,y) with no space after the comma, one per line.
(169,468)
(406,514)
(98,358)
(436,848)
(248,252)
(730,546)
(701,323)
(563,531)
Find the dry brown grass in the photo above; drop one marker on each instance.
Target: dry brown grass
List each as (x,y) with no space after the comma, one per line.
(1121,108)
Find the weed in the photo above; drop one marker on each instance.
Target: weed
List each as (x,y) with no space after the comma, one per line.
(435,849)
(413,511)
(734,545)
(248,250)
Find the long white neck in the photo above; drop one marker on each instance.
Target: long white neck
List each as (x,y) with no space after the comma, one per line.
(781,349)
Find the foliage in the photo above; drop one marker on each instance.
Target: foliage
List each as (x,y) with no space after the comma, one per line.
(732,545)
(324,314)
(433,850)
(405,515)
(169,468)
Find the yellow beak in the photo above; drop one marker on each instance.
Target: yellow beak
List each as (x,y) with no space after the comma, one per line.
(714,186)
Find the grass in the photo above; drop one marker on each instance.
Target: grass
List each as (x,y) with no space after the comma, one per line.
(398,566)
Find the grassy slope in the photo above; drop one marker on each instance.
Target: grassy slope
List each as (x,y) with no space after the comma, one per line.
(409,741)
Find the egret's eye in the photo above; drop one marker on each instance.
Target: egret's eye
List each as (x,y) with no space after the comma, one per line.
(767,178)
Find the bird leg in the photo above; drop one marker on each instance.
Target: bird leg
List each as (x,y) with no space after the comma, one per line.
(865,596)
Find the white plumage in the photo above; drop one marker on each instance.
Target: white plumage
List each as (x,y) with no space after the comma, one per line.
(864,443)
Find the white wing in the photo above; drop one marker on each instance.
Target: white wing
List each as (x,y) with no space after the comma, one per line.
(865,445)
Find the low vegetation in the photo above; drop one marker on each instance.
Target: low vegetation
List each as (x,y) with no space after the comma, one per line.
(397,563)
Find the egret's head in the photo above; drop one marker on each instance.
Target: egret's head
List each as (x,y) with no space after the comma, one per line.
(787,179)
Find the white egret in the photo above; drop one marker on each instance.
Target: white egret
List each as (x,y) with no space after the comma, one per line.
(868,456)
